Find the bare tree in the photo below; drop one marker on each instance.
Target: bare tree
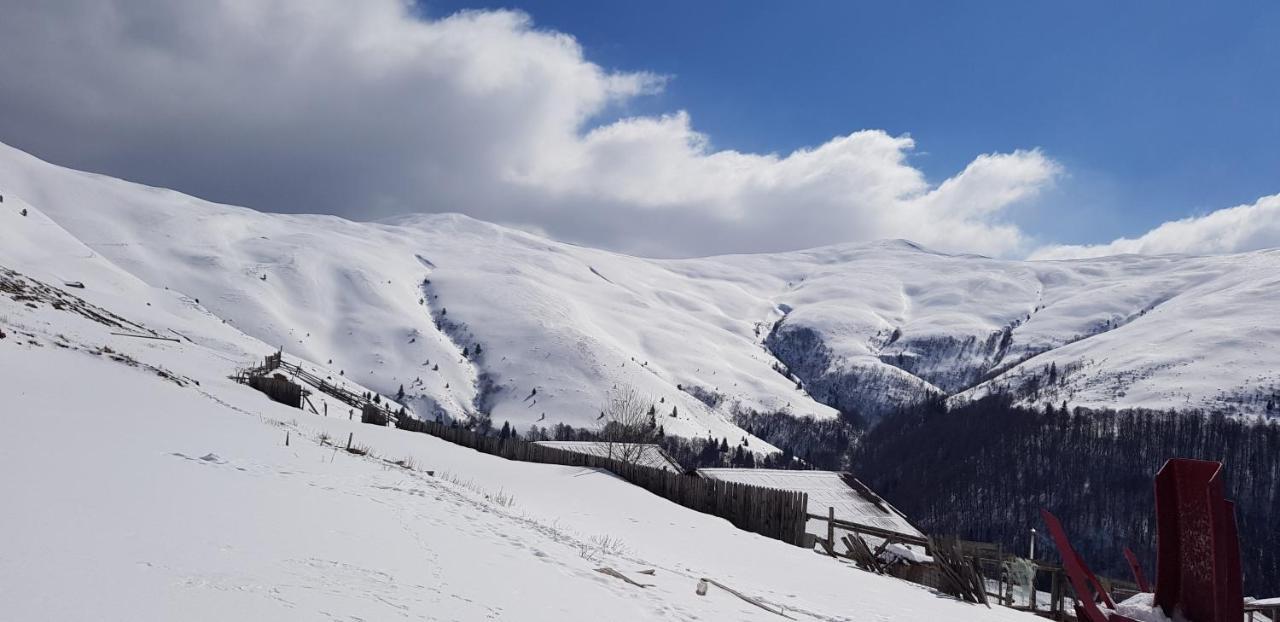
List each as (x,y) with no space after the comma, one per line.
(626,425)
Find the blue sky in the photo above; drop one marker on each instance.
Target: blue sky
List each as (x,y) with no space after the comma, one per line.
(1156,110)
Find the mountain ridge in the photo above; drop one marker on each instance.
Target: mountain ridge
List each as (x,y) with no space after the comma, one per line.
(860,328)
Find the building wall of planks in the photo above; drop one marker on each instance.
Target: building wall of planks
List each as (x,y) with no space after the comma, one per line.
(779,514)
(370,413)
(279,389)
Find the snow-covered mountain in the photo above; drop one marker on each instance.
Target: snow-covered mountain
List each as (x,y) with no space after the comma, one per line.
(473,318)
(141,483)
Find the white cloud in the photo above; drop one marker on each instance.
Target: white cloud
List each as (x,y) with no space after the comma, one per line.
(1230,230)
(365,110)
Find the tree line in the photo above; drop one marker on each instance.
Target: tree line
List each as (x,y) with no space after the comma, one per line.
(984,470)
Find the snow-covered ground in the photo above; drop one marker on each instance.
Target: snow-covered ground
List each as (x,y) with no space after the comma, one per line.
(140,483)
(863,327)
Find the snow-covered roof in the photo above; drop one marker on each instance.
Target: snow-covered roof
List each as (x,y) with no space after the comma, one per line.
(650,455)
(853,501)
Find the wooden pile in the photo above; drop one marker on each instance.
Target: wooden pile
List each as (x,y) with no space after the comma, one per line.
(861,554)
(959,574)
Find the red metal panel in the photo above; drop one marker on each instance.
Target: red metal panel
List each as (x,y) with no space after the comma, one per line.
(1138,576)
(1082,579)
(1198,551)
(1230,579)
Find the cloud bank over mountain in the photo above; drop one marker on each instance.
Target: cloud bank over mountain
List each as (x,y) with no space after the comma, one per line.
(1230,230)
(370,109)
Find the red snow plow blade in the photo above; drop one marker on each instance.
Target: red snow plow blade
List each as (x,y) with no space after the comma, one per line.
(1197,549)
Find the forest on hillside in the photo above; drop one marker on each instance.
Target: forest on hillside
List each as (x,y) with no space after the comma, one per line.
(985,469)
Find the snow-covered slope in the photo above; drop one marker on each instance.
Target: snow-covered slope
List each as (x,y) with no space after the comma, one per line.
(874,326)
(173,506)
(140,483)
(860,328)
(558,326)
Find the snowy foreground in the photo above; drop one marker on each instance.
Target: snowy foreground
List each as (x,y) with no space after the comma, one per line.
(135,496)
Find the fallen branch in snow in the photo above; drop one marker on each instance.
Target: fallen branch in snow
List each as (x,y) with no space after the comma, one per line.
(180,335)
(148,337)
(614,573)
(702,590)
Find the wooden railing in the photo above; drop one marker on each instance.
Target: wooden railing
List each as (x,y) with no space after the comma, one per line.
(276,361)
(834,523)
(1263,612)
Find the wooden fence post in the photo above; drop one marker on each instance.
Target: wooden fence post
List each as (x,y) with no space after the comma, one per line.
(831,527)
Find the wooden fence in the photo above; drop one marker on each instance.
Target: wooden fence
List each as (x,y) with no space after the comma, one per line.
(370,412)
(888,535)
(985,559)
(779,514)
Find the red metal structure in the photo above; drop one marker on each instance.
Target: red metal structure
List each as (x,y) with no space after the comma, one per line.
(1086,585)
(1138,576)
(1198,550)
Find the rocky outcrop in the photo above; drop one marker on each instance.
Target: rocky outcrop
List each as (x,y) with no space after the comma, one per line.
(865,387)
